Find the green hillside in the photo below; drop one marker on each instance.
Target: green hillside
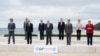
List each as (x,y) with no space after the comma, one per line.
(97,26)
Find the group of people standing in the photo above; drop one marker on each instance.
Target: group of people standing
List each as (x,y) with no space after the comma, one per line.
(48,27)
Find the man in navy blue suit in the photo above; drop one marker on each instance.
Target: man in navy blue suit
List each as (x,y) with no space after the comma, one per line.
(61,27)
(11,29)
(41,28)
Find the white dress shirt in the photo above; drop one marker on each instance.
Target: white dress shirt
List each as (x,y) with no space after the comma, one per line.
(48,25)
(29,24)
(61,22)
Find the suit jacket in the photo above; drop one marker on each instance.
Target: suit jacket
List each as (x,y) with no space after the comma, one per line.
(29,28)
(89,29)
(24,26)
(11,26)
(49,29)
(68,28)
(61,27)
(41,27)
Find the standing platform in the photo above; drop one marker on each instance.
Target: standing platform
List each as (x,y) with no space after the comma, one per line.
(76,46)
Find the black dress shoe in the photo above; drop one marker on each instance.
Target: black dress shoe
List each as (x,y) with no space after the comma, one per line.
(8,43)
(27,43)
(30,43)
(46,44)
(50,44)
(91,44)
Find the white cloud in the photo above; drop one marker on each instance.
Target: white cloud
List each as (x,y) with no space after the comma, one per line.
(42,12)
(48,9)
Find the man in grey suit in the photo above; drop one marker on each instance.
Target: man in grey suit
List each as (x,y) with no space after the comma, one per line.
(11,28)
(68,31)
(49,28)
(24,26)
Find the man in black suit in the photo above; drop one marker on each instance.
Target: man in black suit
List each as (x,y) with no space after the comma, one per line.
(41,28)
(49,28)
(29,30)
(61,26)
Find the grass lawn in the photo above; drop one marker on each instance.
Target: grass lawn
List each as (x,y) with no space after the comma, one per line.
(54,35)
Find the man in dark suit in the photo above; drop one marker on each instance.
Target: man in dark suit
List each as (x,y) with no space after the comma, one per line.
(24,26)
(11,28)
(29,30)
(61,26)
(49,28)
(68,31)
(41,28)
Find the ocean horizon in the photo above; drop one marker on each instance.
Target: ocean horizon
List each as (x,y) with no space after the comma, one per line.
(4,31)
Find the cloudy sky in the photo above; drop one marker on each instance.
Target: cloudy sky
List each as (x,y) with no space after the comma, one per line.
(48,10)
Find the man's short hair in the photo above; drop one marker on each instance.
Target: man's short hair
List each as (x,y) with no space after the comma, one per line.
(11,19)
